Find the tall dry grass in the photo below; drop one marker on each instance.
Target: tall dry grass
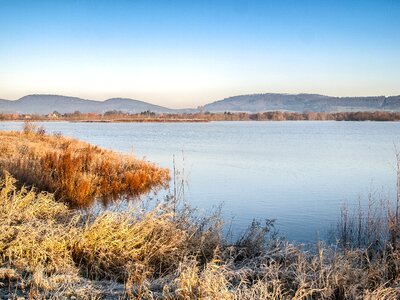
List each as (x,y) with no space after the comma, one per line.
(42,239)
(76,172)
(48,250)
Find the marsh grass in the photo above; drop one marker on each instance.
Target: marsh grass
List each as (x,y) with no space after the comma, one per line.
(365,226)
(49,250)
(76,172)
(42,240)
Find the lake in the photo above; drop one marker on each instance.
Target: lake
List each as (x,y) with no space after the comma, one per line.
(299,173)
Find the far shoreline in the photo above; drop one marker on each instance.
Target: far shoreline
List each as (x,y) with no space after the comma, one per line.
(202,117)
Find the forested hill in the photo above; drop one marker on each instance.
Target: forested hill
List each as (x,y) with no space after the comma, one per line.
(45,104)
(303,103)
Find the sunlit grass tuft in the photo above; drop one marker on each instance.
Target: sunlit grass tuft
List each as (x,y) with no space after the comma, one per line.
(76,172)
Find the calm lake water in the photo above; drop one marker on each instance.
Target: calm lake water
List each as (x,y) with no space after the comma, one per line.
(298,173)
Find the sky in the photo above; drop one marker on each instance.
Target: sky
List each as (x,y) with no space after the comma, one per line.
(188,53)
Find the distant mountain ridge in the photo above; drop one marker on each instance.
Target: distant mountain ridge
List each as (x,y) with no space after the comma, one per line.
(303,103)
(45,104)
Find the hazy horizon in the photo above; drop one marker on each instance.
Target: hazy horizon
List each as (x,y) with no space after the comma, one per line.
(186,54)
(186,107)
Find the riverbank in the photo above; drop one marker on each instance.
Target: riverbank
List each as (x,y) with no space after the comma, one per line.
(51,249)
(122,117)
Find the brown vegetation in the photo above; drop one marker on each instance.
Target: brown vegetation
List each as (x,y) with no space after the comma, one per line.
(47,247)
(76,172)
(119,116)
(48,250)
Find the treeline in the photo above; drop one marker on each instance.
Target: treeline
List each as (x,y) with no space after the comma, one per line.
(148,116)
(307,116)
(322,116)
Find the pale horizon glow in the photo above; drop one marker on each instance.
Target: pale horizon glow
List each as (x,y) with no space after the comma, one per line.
(182,54)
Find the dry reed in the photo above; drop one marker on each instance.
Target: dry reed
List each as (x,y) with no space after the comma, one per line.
(76,172)
(48,250)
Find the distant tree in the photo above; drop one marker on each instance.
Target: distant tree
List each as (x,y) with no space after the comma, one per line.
(113,112)
(254,117)
(277,116)
(147,113)
(310,116)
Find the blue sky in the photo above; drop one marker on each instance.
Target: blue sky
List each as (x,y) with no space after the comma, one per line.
(188,53)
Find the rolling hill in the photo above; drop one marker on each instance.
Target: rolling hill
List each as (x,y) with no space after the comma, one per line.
(45,104)
(303,103)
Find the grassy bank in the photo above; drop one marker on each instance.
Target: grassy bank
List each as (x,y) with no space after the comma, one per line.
(76,172)
(50,249)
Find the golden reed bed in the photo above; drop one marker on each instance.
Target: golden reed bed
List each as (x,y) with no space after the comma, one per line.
(75,171)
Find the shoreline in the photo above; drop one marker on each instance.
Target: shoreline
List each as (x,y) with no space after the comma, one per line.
(150,117)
